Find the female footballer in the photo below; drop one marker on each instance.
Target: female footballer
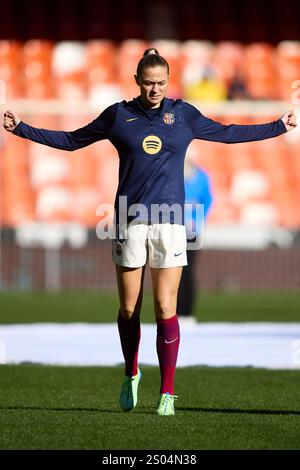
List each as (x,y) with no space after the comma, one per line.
(151,134)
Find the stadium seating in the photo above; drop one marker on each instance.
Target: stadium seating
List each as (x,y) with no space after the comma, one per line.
(10,63)
(288,66)
(52,69)
(37,56)
(130,52)
(260,71)
(254,183)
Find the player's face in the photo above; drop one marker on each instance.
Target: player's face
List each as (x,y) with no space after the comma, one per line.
(153,84)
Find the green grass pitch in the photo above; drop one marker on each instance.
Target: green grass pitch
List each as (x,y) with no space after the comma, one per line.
(103,307)
(44,407)
(47,407)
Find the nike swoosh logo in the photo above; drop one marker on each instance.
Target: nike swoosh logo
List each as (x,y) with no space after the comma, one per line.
(168,342)
(178,254)
(131,119)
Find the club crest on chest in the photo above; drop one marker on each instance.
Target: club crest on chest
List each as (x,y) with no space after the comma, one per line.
(169,118)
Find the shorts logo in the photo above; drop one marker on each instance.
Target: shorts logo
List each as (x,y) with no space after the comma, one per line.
(169,118)
(152,144)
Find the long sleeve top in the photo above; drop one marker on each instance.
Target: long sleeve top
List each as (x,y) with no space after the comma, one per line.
(151,145)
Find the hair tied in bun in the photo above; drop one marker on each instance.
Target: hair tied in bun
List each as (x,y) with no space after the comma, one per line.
(151,58)
(152,50)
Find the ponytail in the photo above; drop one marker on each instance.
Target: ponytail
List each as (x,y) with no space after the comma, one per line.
(151,58)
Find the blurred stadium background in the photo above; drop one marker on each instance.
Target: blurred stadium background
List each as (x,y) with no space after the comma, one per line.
(61,63)
(234,60)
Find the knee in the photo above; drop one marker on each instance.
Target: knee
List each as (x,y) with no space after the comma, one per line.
(127,312)
(164,310)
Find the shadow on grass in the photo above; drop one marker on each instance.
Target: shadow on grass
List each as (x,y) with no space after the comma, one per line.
(93,410)
(151,410)
(240,411)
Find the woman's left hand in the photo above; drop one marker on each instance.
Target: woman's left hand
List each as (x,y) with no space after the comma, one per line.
(290,120)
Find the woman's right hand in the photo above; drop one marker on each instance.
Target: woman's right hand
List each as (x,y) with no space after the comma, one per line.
(11,120)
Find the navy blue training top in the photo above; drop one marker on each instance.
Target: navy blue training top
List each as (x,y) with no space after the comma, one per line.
(151,145)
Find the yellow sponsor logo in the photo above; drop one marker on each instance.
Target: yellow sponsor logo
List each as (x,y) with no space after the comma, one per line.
(152,144)
(131,119)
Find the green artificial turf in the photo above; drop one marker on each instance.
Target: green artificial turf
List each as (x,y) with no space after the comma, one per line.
(103,307)
(46,407)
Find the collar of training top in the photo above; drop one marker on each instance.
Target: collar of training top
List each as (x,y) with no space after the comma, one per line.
(164,106)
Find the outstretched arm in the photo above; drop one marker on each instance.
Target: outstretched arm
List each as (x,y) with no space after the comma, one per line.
(207,129)
(73,140)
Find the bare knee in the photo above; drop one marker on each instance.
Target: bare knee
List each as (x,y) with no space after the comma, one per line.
(164,310)
(128,312)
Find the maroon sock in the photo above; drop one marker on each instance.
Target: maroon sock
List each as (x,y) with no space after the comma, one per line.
(130,333)
(167,344)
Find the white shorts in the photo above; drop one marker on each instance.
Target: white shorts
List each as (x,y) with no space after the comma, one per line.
(163,245)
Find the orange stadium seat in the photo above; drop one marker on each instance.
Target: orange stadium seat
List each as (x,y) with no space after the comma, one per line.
(44,121)
(18,209)
(288,208)
(102,73)
(38,89)
(37,54)
(276,161)
(262,118)
(14,155)
(70,122)
(101,63)
(288,67)
(294,162)
(10,64)
(84,206)
(10,49)
(16,189)
(240,157)
(207,155)
(107,164)
(130,52)
(84,169)
(229,59)
(37,71)
(69,70)
(260,70)
(66,89)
